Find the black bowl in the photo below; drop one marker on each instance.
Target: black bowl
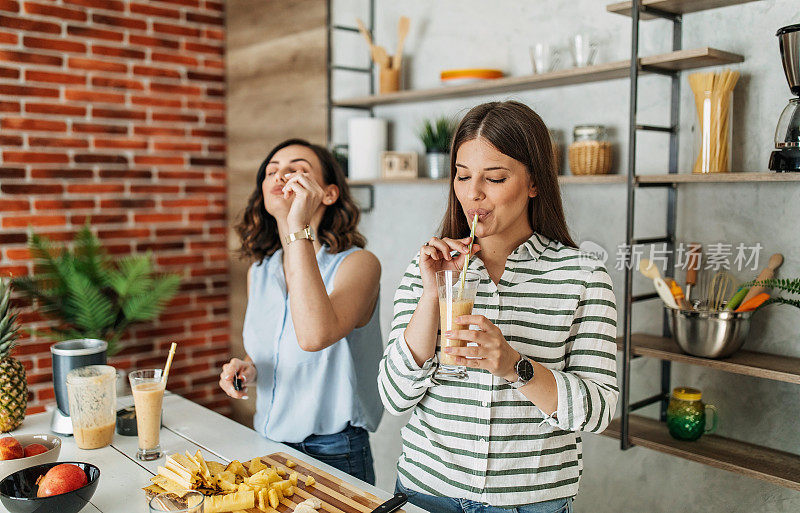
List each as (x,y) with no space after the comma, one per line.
(18,491)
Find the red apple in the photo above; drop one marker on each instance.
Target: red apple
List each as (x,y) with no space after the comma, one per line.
(61,479)
(34,449)
(10,448)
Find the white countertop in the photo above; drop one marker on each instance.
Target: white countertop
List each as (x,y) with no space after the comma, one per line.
(187,426)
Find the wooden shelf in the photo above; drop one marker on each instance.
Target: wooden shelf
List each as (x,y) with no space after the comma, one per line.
(748,363)
(673,61)
(718,178)
(562,179)
(778,467)
(673,6)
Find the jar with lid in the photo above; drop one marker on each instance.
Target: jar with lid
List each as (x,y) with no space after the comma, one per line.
(590,152)
(686,414)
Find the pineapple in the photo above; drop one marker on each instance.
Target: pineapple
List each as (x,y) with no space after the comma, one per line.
(13,385)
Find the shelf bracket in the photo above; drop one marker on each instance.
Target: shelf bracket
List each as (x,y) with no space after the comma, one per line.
(644,297)
(638,405)
(654,128)
(653,240)
(654,11)
(354,69)
(658,71)
(344,27)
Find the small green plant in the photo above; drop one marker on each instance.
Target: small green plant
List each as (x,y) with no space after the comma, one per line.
(90,295)
(437,134)
(791,286)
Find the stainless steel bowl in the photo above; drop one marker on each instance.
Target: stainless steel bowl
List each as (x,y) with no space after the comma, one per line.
(710,334)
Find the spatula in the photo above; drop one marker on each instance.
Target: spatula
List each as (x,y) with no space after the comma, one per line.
(649,270)
(775,261)
(402,31)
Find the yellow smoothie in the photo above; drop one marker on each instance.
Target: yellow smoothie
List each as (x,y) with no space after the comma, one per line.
(94,437)
(447,317)
(148,398)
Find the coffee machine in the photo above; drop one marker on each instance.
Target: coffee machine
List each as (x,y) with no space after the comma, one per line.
(786,156)
(69,355)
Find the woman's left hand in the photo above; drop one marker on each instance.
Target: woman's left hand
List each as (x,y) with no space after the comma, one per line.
(308,196)
(493,352)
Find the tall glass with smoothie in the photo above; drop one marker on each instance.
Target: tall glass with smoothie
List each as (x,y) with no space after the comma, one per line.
(148,396)
(456,298)
(92,395)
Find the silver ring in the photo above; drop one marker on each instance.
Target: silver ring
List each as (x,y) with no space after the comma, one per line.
(426,244)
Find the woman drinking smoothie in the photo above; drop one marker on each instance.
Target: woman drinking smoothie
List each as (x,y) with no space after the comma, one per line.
(311,329)
(541,361)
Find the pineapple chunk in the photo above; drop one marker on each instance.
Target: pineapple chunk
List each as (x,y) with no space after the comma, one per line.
(293,478)
(273,498)
(310,481)
(291,464)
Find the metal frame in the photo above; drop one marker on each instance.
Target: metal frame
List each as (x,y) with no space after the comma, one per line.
(669,239)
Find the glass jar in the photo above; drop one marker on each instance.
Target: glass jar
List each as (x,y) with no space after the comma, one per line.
(686,414)
(589,133)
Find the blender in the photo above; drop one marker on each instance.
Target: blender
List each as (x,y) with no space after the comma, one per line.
(69,355)
(786,156)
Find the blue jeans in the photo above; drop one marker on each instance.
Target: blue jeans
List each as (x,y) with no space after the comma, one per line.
(347,451)
(436,504)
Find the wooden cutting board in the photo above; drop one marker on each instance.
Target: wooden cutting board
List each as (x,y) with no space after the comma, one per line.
(336,495)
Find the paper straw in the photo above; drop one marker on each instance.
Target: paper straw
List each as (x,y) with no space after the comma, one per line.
(169,363)
(469,252)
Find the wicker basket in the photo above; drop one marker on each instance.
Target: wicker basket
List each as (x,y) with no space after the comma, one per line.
(590,157)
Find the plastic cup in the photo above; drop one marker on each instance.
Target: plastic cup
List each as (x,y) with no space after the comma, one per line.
(92,393)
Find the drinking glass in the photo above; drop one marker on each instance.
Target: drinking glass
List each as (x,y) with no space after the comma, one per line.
(92,394)
(544,58)
(455,299)
(583,49)
(191,502)
(148,396)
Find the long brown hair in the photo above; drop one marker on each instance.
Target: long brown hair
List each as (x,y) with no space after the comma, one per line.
(258,230)
(518,132)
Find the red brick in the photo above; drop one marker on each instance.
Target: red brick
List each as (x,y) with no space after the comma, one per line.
(160,246)
(214,34)
(181,175)
(178,59)
(60,142)
(94,96)
(32,410)
(177,146)
(34,378)
(30,58)
(46,394)
(13,271)
(124,234)
(125,53)
(215,91)
(121,143)
(154,42)
(28,25)
(33,156)
(109,5)
(209,271)
(155,72)
(189,3)
(57,12)
(165,116)
(12,172)
(9,5)
(93,33)
(208,133)
(207,77)
(95,158)
(118,83)
(205,161)
(95,188)
(68,174)
(207,216)
(99,129)
(62,204)
(179,30)
(160,332)
(7,38)
(10,140)
(152,130)
(127,203)
(215,120)
(14,206)
(155,189)
(9,72)
(9,106)
(55,109)
(160,87)
(80,220)
(213,63)
(205,18)
(178,232)
(96,65)
(203,48)
(159,160)
(155,101)
(58,78)
(118,21)
(205,105)
(54,44)
(149,10)
(182,316)
(25,221)
(117,114)
(126,173)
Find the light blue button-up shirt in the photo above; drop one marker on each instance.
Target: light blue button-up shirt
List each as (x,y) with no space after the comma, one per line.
(303,393)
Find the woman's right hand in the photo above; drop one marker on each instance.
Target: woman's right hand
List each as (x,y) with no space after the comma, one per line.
(435,256)
(245,369)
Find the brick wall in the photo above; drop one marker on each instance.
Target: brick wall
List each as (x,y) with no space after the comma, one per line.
(113,111)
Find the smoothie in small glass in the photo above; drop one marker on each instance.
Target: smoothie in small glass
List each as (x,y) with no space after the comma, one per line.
(148,396)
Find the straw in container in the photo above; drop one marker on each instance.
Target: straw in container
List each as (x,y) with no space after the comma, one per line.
(466,259)
(169,362)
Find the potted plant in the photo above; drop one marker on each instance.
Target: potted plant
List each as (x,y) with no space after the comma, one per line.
(89,294)
(436,135)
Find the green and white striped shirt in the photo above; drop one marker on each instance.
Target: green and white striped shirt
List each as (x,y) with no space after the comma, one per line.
(481,440)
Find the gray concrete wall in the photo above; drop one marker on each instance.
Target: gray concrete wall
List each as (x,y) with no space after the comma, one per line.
(475,33)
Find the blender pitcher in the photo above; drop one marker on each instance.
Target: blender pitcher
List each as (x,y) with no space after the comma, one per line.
(92,395)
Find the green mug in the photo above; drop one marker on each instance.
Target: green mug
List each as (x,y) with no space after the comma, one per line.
(686,414)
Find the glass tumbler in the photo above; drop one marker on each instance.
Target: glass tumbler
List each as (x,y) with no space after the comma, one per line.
(148,396)
(190,502)
(92,393)
(455,299)
(686,414)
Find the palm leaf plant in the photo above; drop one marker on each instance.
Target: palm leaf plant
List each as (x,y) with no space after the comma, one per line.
(437,134)
(91,295)
(791,286)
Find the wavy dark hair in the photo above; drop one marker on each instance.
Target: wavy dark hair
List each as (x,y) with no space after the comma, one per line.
(258,230)
(517,131)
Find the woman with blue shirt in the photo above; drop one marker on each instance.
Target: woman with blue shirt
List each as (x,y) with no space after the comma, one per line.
(311,330)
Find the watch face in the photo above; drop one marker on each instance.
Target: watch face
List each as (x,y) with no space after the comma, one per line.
(525,370)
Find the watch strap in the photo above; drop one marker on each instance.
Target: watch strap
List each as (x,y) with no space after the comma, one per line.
(305,233)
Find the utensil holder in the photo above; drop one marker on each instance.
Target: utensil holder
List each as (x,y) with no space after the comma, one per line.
(590,157)
(388,80)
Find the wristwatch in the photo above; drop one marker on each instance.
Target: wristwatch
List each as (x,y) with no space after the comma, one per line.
(524,370)
(305,233)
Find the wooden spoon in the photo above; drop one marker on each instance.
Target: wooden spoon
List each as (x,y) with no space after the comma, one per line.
(364,32)
(379,55)
(402,31)
(694,258)
(775,261)
(649,270)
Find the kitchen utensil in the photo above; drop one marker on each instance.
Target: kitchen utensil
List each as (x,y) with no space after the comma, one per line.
(649,270)
(752,304)
(718,290)
(686,415)
(677,294)
(380,56)
(694,259)
(768,273)
(786,156)
(364,32)
(544,58)
(392,504)
(736,299)
(66,356)
(709,334)
(402,31)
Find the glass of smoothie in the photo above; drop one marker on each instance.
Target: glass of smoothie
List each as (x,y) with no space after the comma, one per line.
(148,396)
(184,502)
(455,299)
(92,395)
